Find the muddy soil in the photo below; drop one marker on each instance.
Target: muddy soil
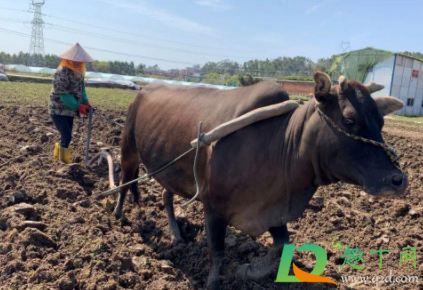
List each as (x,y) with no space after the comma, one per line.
(53,235)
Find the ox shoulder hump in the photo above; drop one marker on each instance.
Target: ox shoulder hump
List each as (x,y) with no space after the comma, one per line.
(271,89)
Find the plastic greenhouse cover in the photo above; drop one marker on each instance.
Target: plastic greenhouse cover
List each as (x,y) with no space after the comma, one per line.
(18,67)
(113,82)
(42,70)
(355,64)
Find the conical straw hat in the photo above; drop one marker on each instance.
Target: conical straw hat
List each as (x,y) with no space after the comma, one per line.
(76,53)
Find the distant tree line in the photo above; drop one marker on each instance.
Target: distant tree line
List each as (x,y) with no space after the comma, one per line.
(278,68)
(225,72)
(113,67)
(414,54)
(53,61)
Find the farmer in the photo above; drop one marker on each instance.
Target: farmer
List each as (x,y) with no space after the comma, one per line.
(68,97)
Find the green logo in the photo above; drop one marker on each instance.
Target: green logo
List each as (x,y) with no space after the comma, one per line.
(301,276)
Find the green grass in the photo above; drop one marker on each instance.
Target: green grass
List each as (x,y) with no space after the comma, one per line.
(299,98)
(19,93)
(298,78)
(337,245)
(407,119)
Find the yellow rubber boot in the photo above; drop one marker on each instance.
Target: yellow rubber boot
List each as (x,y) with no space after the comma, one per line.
(56,151)
(68,155)
(64,155)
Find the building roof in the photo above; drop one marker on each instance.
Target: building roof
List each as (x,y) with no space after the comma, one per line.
(381,50)
(409,56)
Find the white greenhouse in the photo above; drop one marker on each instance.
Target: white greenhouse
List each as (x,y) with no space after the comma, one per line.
(42,70)
(110,77)
(96,75)
(17,68)
(402,75)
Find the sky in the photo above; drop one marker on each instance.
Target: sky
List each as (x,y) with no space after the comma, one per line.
(180,33)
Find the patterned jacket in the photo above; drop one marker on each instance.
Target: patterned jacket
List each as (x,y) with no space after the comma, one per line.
(65,82)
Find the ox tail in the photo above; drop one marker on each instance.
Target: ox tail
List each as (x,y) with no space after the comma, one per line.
(130,159)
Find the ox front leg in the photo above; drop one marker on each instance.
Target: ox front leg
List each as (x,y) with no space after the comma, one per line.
(173,224)
(271,261)
(215,231)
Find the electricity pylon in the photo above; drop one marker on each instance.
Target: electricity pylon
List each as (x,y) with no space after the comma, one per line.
(36,48)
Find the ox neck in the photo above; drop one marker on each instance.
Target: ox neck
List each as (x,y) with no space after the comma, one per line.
(302,156)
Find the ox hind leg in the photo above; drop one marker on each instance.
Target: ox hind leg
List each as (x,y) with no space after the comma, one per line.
(271,261)
(173,224)
(215,232)
(130,169)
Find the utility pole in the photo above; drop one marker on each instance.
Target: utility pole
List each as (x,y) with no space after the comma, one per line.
(36,48)
(345,46)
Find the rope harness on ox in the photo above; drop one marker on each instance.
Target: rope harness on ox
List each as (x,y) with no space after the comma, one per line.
(392,153)
(149,175)
(200,136)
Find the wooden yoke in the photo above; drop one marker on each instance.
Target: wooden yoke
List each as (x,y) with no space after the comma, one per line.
(244,120)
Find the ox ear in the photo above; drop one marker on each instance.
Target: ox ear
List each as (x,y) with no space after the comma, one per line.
(388,105)
(322,86)
(374,87)
(343,85)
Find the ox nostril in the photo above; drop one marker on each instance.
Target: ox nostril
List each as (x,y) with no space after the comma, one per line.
(397,179)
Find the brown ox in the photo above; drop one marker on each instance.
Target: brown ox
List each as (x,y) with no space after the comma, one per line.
(261,177)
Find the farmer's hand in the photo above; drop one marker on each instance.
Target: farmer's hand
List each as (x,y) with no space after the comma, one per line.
(83,109)
(88,104)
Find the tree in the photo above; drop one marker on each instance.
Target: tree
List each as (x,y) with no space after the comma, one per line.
(279,67)
(324,64)
(222,67)
(101,66)
(414,54)
(140,68)
(214,79)
(228,67)
(209,67)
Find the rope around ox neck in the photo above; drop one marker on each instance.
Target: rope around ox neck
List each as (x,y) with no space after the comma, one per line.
(392,153)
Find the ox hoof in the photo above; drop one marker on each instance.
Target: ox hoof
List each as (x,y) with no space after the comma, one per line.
(242,272)
(215,285)
(247,272)
(118,214)
(178,241)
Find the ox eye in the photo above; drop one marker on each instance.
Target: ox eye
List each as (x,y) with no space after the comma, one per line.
(349,122)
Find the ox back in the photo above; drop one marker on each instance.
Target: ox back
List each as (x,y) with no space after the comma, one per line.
(164,118)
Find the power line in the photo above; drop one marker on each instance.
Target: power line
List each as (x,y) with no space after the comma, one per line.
(106,37)
(152,58)
(138,56)
(102,36)
(97,49)
(129,33)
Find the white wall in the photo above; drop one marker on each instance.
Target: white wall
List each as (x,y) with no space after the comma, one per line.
(405,87)
(381,74)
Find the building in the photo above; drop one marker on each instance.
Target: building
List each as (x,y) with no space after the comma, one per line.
(190,71)
(401,75)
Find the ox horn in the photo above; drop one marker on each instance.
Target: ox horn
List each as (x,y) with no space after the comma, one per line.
(343,85)
(374,87)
